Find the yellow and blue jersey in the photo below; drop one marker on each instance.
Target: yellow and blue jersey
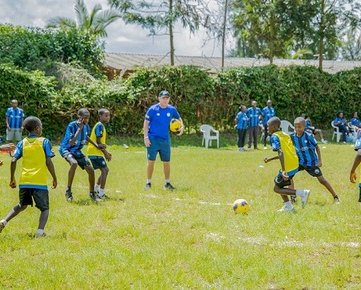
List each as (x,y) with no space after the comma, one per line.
(253,115)
(15,117)
(159,119)
(34,151)
(80,141)
(306,149)
(242,120)
(281,141)
(98,131)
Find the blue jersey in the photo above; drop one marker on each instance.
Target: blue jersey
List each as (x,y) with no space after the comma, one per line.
(242,120)
(358,140)
(339,121)
(15,117)
(253,115)
(306,149)
(268,113)
(159,119)
(99,129)
(79,142)
(355,122)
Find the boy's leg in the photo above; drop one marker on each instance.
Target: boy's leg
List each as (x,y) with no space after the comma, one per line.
(103,176)
(91,177)
(326,184)
(243,137)
(43,219)
(11,214)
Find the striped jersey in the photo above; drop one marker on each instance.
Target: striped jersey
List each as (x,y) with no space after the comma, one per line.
(15,117)
(69,134)
(268,113)
(242,120)
(253,115)
(306,149)
(281,141)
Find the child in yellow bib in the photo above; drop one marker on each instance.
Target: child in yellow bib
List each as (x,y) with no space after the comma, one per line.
(282,143)
(36,153)
(97,155)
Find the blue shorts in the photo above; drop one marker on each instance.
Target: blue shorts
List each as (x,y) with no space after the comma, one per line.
(98,162)
(159,145)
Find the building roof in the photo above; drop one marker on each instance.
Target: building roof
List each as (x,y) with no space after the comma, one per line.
(128,61)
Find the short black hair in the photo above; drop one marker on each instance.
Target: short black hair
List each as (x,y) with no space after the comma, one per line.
(31,123)
(83,112)
(274,120)
(102,111)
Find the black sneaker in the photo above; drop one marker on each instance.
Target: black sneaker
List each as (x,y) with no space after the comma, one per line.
(94,197)
(148,186)
(69,195)
(169,186)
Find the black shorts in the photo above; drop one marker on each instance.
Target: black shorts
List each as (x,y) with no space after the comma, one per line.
(80,158)
(314,171)
(280,182)
(98,162)
(40,196)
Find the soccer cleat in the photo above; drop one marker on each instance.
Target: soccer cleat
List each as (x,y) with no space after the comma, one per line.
(43,235)
(293,199)
(68,195)
(169,186)
(97,188)
(2,225)
(286,208)
(94,197)
(304,197)
(147,186)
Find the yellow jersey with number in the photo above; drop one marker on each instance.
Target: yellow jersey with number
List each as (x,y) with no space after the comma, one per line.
(97,131)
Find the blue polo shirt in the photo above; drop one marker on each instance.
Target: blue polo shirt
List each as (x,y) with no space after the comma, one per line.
(242,120)
(306,149)
(159,119)
(253,115)
(338,121)
(355,122)
(80,141)
(267,113)
(15,117)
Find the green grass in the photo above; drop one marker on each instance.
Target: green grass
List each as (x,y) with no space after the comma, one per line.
(189,238)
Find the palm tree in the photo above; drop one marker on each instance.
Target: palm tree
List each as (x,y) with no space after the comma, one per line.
(94,22)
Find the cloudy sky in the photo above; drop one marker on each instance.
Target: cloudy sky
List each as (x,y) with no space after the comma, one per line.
(121,37)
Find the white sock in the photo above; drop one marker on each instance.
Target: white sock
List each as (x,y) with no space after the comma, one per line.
(149,181)
(101,192)
(167,181)
(4,222)
(288,204)
(300,192)
(40,232)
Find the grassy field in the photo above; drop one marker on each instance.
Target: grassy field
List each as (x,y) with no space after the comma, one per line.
(189,238)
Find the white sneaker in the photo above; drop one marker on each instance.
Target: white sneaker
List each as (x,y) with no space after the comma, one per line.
(2,225)
(264,148)
(304,197)
(286,208)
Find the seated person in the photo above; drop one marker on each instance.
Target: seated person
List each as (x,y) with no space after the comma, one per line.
(311,129)
(341,122)
(355,121)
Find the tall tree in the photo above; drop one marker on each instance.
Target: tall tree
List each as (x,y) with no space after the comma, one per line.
(160,16)
(261,29)
(96,21)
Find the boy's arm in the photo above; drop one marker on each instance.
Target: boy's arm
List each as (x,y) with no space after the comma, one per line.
(72,140)
(50,165)
(355,164)
(318,151)
(92,142)
(12,173)
(268,159)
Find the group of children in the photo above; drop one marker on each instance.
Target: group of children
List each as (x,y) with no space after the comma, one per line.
(37,152)
(299,151)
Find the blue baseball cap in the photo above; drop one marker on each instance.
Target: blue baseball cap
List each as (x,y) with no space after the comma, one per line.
(164,94)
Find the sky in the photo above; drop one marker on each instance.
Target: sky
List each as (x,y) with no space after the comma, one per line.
(121,37)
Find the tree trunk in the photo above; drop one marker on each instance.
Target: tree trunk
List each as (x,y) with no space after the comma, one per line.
(321,34)
(171,36)
(224,31)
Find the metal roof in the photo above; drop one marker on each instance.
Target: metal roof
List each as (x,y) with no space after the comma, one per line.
(130,61)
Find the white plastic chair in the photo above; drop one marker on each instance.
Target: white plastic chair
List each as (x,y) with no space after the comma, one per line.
(287,127)
(209,134)
(336,132)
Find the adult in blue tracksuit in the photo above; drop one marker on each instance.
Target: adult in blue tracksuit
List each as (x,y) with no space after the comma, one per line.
(242,125)
(267,113)
(254,114)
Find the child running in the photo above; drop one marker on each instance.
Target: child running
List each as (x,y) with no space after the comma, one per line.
(76,135)
(97,154)
(309,154)
(282,143)
(36,153)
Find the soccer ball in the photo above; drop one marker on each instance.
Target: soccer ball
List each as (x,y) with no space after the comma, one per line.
(241,206)
(175,125)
